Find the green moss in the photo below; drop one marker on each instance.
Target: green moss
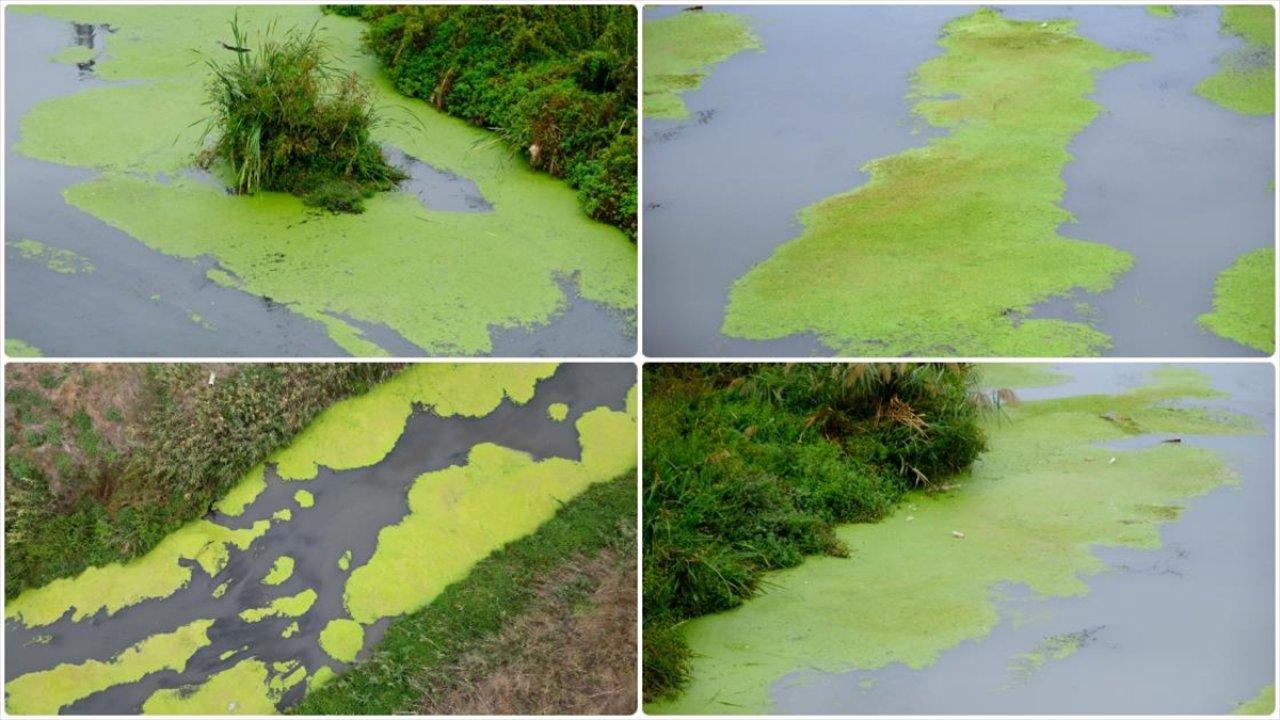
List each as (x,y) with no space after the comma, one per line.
(157,574)
(1244,301)
(1015,376)
(1246,78)
(64,262)
(342,639)
(431,275)
(1160,11)
(304,499)
(289,606)
(1263,704)
(438,543)
(281,570)
(1031,511)
(679,51)
(46,692)
(947,246)
(558,411)
(14,347)
(244,689)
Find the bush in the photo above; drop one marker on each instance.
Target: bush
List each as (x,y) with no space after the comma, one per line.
(285,121)
(750,467)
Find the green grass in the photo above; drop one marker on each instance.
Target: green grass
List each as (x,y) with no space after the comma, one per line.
(679,51)
(1244,301)
(432,639)
(948,246)
(749,468)
(285,120)
(1246,78)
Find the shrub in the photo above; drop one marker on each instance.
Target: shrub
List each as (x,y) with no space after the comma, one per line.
(284,120)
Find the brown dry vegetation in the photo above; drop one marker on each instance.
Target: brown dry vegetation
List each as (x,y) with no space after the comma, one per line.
(572,652)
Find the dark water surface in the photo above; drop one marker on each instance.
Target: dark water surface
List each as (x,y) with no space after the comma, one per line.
(351,507)
(1164,174)
(1186,629)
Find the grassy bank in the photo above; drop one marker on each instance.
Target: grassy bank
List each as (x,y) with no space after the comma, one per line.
(749,468)
(103,461)
(1246,78)
(424,661)
(557,83)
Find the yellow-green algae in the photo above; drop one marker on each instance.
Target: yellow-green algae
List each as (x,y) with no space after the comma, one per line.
(679,51)
(947,245)
(283,515)
(433,276)
(46,692)
(342,639)
(1244,301)
(344,562)
(13,347)
(1246,78)
(154,575)
(221,589)
(304,498)
(64,262)
(74,54)
(360,431)
(290,630)
(440,539)
(243,493)
(288,606)
(1015,376)
(1160,11)
(244,689)
(1054,647)
(281,570)
(558,411)
(1031,510)
(1263,704)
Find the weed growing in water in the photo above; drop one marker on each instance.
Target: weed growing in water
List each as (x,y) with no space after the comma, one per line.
(285,120)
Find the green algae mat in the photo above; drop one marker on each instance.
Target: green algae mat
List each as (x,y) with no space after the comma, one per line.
(442,280)
(920,582)
(679,51)
(1246,78)
(280,588)
(1244,301)
(948,246)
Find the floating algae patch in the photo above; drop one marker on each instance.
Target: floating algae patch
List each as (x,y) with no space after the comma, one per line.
(1015,376)
(244,689)
(679,51)
(1264,704)
(159,573)
(1054,647)
(360,431)
(281,570)
(1246,78)
(304,499)
(74,55)
(558,411)
(344,562)
(290,630)
(1244,301)
(48,691)
(439,540)
(64,262)
(948,246)
(1033,507)
(243,493)
(342,639)
(430,276)
(290,606)
(1160,11)
(14,347)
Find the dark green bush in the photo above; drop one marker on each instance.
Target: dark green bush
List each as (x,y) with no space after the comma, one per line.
(558,77)
(749,467)
(284,120)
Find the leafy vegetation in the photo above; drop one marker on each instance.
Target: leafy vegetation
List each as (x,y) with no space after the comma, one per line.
(420,649)
(285,120)
(750,467)
(556,82)
(104,461)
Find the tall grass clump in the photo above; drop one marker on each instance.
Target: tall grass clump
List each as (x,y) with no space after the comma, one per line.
(749,467)
(558,84)
(283,119)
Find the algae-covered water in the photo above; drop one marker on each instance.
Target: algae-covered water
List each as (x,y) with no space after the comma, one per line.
(1087,565)
(915,206)
(474,255)
(383,501)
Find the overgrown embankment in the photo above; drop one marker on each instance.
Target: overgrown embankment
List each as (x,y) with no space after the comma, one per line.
(750,467)
(1246,78)
(102,461)
(575,568)
(557,83)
